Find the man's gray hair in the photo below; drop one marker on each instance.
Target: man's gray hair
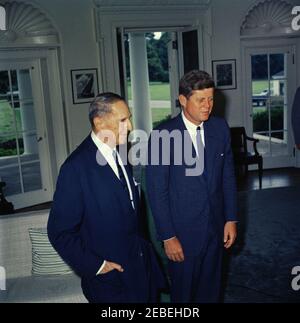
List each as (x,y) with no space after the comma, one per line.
(102,105)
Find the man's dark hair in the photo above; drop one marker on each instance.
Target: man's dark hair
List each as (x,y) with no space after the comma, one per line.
(195,80)
(102,105)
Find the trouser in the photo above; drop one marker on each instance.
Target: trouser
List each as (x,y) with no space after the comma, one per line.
(198,278)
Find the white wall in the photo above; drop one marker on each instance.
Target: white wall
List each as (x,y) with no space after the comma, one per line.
(74,20)
(226,20)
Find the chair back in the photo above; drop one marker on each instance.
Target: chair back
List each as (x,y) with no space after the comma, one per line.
(238,140)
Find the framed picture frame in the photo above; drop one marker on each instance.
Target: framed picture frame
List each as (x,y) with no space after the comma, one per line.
(84,85)
(224,74)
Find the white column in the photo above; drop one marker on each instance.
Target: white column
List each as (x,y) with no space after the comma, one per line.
(142,117)
(27,113)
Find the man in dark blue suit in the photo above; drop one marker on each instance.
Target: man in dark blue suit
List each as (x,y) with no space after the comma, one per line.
(94,221)
(195,214)
(296,118)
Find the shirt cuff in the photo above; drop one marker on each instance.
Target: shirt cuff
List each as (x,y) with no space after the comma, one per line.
(169,239)
(102,266)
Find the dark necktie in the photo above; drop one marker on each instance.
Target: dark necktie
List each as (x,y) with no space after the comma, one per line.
(120,171)
(121,174)
(200,149)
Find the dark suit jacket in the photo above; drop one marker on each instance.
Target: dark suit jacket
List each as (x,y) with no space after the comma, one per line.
(191,207)
(92,220)
(296,116)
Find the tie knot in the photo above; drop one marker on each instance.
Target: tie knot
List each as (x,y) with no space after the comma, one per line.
(198,128)
(114,153)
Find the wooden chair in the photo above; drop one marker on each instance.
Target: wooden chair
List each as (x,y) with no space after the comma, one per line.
(243,158)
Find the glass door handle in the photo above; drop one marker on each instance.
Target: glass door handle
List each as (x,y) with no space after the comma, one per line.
(39,139)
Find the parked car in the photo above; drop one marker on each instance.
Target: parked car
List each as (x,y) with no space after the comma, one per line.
(260,98)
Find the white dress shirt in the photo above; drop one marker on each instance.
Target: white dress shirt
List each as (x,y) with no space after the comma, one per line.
(107,153)
(192,129)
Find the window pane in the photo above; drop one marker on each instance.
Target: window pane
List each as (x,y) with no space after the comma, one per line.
(259,67)
(260,119)
(9,169)
(279,143)
(30,163)
(277,70)
(277,117)
(4,84)
(7,123)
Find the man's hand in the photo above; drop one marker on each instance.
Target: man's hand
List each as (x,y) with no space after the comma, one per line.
(173,250)
(109,266)
(230,233)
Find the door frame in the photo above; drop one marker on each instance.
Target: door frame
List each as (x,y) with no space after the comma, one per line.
(267,45)
(52,90)
(45,193)
(158,17)
(180,31)
(175,57)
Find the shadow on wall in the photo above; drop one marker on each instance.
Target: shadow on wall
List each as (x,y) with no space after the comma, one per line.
(219,104)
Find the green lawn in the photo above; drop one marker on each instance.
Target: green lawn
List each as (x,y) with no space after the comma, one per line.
(259,86)
(158,91)
(159,114)
(7,120)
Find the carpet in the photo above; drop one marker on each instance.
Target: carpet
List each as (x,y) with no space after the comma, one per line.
(258,268)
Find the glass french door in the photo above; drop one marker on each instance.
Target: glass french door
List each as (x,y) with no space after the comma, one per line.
(24,155)
(271,88)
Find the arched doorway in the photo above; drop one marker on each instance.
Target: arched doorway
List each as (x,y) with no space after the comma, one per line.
(29,107)
(269,49)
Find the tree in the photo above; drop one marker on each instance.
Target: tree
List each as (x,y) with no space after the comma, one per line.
(157,53)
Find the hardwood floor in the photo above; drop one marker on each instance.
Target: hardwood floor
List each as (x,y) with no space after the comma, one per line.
(280,177)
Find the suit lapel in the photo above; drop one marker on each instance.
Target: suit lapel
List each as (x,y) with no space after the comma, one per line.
(211,147)
(133,187)
(104,174)
(182,127)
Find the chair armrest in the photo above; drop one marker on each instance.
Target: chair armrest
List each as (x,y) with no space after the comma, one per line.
(252,139)
(254,147)
(255,141)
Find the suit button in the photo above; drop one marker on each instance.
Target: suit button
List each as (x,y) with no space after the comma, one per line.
(141,254)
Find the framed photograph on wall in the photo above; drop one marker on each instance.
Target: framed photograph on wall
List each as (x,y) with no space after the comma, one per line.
(84,85)
(224,74)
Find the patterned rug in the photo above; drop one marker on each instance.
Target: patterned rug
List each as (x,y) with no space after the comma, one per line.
(259,268)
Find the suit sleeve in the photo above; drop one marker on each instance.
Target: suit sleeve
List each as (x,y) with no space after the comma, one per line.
(157,184)
(64,224)
(229,182)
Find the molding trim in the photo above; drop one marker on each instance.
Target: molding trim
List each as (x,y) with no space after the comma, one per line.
(152,5)
(26,24)
(268,18)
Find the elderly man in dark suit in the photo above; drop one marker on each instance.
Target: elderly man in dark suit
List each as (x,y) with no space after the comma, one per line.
(296,118)
(195,215)
(94,221)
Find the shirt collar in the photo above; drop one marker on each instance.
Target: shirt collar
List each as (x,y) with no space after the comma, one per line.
(103,147)
(189,125)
